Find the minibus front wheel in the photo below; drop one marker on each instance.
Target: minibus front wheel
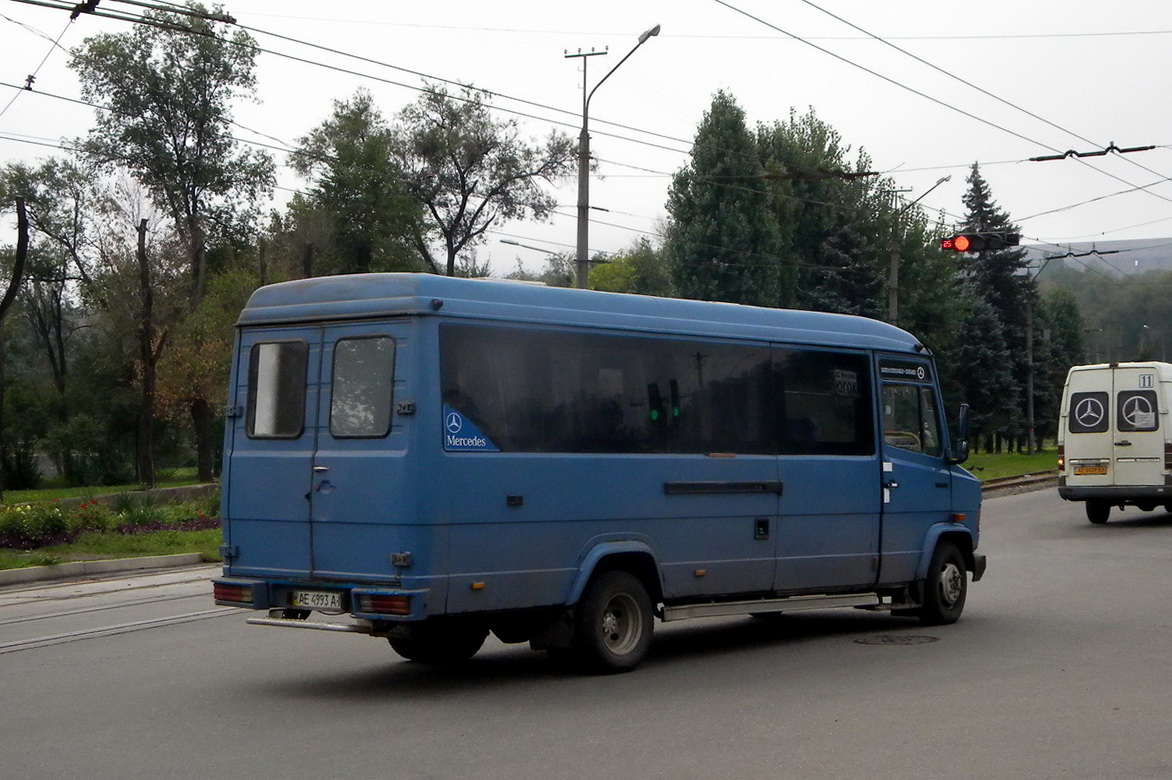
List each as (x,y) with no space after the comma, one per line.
(946,587)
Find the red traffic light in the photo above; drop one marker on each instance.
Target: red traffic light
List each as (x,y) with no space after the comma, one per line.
(979,242)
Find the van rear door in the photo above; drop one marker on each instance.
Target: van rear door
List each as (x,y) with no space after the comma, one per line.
(358,501)
(314,450)
(1137,446)
(269,452)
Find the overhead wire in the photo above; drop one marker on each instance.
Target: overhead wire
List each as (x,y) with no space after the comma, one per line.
(987,93)
(287,149)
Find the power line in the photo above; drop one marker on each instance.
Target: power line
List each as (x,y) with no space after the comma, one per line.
(926,96)
(28,85)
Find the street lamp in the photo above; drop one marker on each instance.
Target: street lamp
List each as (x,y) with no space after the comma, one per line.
(527,246)
(584,156)
(893,280)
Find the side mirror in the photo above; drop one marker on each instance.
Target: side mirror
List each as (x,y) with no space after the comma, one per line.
(959,452)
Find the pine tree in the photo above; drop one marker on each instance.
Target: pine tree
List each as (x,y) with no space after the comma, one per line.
(1001,278)
(721,238)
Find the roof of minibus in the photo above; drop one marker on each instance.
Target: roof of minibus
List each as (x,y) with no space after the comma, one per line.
(1156,366)
(372,296)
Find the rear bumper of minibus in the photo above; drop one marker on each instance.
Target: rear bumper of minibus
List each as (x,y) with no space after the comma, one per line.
(364,603)
(1115,493)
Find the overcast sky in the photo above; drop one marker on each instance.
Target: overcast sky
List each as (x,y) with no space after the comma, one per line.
(1056,76)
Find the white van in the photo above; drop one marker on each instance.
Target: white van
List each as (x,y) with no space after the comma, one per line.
(1114,437)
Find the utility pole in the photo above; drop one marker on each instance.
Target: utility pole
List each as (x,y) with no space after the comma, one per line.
(583,261)
(893,272)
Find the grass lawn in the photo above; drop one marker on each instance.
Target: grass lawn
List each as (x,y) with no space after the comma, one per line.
(986,466)
(100,546)
(180,478)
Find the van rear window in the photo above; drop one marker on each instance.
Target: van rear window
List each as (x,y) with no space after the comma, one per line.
(1088,412)
(1137,410)
(276,389)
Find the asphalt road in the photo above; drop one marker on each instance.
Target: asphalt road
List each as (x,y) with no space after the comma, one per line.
(1059,669)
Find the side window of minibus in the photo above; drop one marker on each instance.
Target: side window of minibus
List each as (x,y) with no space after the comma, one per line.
(276,390)
(909,418)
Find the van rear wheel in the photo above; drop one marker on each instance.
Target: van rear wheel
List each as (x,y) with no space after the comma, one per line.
(612,624)
(440,645)
(1098,511)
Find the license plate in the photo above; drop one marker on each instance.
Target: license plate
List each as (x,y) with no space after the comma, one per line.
(1081,470)
(316,599)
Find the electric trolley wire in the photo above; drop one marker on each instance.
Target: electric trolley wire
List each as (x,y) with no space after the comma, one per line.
(287,149)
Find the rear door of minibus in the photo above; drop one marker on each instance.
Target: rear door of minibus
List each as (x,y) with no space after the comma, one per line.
(1137,444)
(313,450)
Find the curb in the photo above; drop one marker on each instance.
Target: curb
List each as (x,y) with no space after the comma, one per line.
(1015,485)
(77,569)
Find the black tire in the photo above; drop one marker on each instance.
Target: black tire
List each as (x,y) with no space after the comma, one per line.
(612,624)
(1098,511)
(946,588)
(440,645)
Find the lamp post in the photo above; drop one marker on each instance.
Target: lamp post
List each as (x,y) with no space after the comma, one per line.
(528,246)
(893,280)
(584,156)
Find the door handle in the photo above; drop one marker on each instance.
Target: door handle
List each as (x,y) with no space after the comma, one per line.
(1124,443)
(889,484)
(320,469)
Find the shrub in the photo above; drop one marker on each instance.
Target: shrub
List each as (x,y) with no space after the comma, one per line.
(89,517)
(26,526)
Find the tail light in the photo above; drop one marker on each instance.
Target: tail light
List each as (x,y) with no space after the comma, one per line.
(1168,455)
(378,604)
(232,592)
(1062,457)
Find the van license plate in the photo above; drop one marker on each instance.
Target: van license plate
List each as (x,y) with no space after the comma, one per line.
(1080,470)
(316,599)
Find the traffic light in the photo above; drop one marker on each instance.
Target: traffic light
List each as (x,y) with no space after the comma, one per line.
(979,242)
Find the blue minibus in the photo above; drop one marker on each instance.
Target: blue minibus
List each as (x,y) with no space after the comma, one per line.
(430,459)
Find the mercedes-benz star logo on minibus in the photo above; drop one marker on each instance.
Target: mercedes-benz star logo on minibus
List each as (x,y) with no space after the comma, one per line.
(454,422)
(1137,410)
(1089,413)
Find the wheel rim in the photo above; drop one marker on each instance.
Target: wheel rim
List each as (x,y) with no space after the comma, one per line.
(620,624)
(951,584)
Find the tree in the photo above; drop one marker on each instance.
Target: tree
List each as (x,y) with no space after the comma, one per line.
(15,275)
(834,219)
(166,88)
(986,381)
(61,210)
(1001,278)
(637,269)
(722,241)
(358,191)
(469,170)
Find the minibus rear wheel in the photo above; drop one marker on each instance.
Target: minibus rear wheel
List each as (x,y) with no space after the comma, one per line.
(946,587)
(612,624)
(1098,511)
(440,644)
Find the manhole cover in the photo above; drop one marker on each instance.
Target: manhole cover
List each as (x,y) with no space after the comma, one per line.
(898,639)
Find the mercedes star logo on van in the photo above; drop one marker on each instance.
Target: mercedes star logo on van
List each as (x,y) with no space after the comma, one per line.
(454,422)
(1089,413)
(1137,410)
